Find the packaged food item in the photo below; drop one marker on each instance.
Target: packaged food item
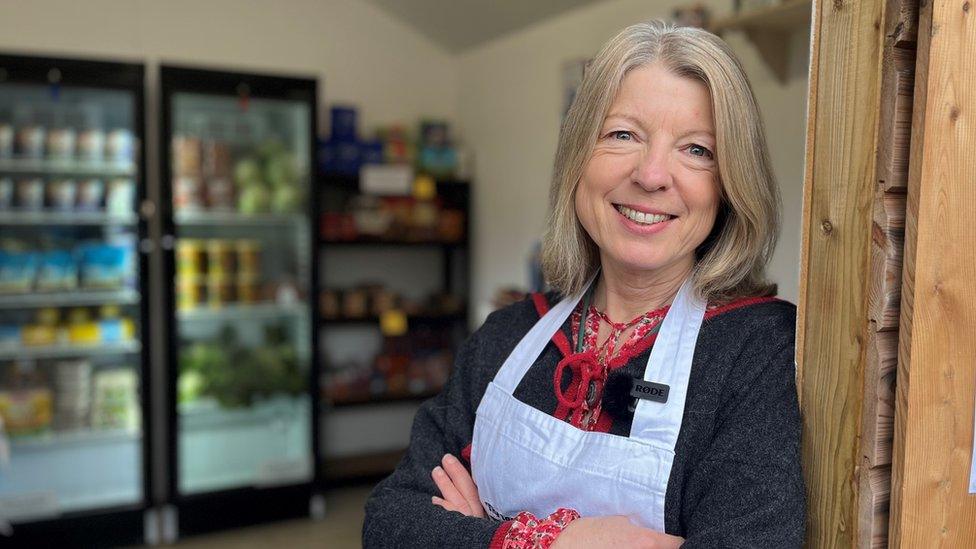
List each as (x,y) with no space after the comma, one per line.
(248,288)
(84,333)
(115,401)
(6,139)
(220,289)
(91,144)
(216,159)
(61,194)
(57,270)
(189,257)
(103,265)
(120,145)
(17,271)
(248,256)
(10,336)
(191,291)
(61,142)
(220,195)
(26,411)
(30,194)
(221,260)
(329,304)
(72,394)
(451,225)
(187,194)
(186,156)
(354,303)
(115,330)
(120,197)
(90,194)
(6,193)
(39,335)
(30,137)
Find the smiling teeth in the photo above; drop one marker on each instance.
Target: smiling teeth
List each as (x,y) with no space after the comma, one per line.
(641,217)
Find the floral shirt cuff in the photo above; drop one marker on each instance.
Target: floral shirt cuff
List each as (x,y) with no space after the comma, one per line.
(526,531)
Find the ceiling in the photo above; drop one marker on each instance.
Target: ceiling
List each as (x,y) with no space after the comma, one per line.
(458,25)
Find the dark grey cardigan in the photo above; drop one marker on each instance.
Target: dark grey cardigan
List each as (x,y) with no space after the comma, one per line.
(736,479)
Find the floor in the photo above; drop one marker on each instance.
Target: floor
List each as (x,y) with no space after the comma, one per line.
(340,529)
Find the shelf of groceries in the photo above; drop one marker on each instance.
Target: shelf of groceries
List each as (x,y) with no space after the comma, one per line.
(67,166)
(243,311)
(68,350)
(76,298)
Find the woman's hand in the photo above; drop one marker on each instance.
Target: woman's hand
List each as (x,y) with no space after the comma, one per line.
(612,532)
(458,491)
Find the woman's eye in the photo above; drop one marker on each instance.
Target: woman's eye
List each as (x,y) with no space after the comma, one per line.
(621,135)
(698,150)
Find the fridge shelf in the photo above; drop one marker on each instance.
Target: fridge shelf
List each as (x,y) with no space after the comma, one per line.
(211,218)
(70,350)
(255,311)
(79,298)
(64,439)
(65,218)
(28,166)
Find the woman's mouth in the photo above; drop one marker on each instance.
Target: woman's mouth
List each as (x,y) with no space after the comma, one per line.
(642,218)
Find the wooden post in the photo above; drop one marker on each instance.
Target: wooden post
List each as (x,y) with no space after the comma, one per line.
(930,505)
(859,126)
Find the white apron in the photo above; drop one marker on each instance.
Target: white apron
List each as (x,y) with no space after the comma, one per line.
(524,459)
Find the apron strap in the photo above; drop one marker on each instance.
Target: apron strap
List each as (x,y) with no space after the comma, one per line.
(670,363)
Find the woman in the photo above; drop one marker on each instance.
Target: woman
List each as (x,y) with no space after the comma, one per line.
(663,215)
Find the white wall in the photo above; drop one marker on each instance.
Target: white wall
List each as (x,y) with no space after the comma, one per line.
(505,96)
(360,54)
(510,93)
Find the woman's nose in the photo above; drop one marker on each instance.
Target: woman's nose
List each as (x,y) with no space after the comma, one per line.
(652,171)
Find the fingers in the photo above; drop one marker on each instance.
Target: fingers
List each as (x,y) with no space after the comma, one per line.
(449,492)
(445,504)
(463,483)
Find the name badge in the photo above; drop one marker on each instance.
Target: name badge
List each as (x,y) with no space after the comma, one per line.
(648,390)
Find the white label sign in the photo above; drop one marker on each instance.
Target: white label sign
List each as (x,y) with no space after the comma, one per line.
(386,179)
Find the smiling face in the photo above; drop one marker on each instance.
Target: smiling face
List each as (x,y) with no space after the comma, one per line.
(649,193)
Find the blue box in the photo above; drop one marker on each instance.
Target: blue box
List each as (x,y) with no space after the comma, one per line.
(343,123)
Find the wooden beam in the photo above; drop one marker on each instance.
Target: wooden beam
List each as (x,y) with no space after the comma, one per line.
(930,504)
(840,184)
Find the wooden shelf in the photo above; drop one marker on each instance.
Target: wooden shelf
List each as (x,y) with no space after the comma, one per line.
(770,29)
(420,319)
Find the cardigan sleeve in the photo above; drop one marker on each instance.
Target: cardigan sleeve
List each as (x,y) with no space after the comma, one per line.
(748,489)
(399,512)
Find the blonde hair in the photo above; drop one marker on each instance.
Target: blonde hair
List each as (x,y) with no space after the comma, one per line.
(731,262)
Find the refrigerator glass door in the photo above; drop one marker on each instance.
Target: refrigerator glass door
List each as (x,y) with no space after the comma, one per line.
(70,306)
(240,183)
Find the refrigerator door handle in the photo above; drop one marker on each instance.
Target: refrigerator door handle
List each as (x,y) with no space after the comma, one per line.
(166,242)
(147,209)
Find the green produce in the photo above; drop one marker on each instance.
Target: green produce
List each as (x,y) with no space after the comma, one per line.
(237,375)
(247,171)
(254,198)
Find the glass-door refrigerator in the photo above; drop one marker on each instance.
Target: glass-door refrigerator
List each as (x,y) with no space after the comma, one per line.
(73,367)
(237,165)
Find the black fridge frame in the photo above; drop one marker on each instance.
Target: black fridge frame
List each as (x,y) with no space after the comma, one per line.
(236,507)
(116,525)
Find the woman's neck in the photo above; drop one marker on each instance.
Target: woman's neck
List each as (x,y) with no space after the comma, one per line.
(623,294)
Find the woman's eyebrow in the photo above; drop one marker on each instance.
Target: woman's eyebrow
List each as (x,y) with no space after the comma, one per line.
(624,116)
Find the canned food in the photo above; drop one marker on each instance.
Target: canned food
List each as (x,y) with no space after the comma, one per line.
(248,288)
(248,257)
(220,290)
(220,258)
(189,257)
(191,292)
